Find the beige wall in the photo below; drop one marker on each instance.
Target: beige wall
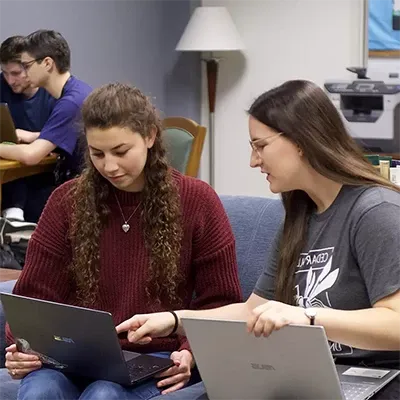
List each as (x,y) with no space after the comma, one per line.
(284,39)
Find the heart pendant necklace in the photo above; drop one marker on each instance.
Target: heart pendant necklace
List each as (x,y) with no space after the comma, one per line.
(125,226)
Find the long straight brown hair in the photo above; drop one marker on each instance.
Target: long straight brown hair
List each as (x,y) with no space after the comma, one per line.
(304,113)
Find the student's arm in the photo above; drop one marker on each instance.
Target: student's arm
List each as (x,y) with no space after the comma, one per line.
(61,128)
(46,274)
(263,290)
(26,136)
(60,131)
(143,327)
(237,311)
(375,329)
(214,265)
(376,244)
(29,154)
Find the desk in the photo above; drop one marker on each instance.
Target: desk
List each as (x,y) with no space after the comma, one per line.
(12,170)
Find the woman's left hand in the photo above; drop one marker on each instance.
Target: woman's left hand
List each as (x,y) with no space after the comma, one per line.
(274,315)
(178,375)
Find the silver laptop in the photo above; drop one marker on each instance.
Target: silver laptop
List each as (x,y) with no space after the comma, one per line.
(293,363)
(76,340)
(7,127)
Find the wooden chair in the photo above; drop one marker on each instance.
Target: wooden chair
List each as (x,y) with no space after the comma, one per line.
(184,140)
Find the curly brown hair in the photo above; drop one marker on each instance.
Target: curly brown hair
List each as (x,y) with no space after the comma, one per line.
(120,105)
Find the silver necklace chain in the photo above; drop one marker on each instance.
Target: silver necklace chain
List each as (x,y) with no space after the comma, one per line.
(125,226)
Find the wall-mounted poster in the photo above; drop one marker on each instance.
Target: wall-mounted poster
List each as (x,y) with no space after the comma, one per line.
(384,28)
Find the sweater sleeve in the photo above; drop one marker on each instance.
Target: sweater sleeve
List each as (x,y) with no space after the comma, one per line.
(216,280)
(45,273)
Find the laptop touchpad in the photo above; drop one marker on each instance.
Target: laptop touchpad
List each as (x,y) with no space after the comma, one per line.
(129,355)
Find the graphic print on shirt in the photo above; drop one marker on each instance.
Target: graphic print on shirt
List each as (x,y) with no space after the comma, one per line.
(315,278)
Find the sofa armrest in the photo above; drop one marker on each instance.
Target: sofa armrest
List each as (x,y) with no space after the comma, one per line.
(5,287)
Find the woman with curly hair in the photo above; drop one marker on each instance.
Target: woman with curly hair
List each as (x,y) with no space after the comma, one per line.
(130,235)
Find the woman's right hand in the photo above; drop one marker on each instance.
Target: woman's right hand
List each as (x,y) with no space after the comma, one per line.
(20,364)
(142,328)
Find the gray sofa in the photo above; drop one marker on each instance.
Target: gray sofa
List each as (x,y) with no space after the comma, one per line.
(254,222)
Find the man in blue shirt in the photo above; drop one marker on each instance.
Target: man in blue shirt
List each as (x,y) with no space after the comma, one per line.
(30,108)
(46,58)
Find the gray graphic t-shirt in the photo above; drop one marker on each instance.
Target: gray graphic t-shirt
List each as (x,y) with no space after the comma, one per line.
(351,260)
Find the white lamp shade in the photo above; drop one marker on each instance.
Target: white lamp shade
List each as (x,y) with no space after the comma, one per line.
(210,29)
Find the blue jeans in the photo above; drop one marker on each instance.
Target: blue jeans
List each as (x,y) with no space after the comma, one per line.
(49,384)
(8,386)
(193,392)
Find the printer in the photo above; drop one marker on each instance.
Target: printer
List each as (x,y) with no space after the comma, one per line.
(371,112)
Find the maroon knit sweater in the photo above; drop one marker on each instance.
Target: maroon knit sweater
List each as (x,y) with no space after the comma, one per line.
(208,260)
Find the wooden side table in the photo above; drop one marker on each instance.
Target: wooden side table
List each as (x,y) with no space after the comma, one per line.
(12,170)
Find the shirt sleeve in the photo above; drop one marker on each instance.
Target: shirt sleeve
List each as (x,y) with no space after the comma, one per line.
(265,286)
(45,273)
(62,127)
(376,245)
(214,257)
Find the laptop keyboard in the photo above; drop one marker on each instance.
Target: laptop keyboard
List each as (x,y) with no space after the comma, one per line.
(137,371)
(355,391)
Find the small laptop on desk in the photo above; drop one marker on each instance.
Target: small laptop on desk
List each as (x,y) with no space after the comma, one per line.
(7,127)
(76,340)
(292,363)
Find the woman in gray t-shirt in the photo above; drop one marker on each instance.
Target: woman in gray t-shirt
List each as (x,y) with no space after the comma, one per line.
(336,260)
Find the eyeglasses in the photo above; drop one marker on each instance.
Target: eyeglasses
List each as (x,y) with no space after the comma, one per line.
(259,144)
(28,64)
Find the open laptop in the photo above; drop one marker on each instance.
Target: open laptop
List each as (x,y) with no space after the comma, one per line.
(7,127)
(292,363)
(76,340)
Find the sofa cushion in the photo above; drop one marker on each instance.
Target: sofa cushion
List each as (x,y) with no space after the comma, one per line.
(255,221)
